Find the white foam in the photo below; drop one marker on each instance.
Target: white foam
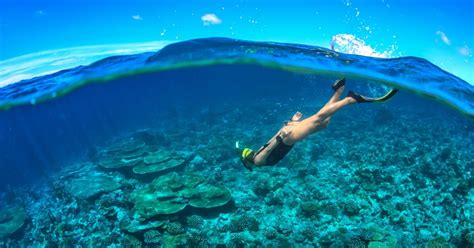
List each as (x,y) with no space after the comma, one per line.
(348,43)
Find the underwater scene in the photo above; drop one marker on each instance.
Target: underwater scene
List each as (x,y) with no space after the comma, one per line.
(178,124)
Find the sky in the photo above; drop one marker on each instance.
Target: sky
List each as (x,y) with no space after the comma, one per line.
(441,31)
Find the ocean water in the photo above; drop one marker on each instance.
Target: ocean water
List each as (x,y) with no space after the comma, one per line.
(138,151)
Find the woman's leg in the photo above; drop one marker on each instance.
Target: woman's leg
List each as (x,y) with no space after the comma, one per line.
(334,98)
(316,122)
(321,124)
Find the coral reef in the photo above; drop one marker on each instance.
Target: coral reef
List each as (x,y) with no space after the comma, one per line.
(89,186)
(122,153)
(243,223)
(195,221)
(175,228)
(389,190)
(131,242)
(170,241)
(135,226)
(171,193)
(149,167)
(438,242)
(11,219)
(152,237)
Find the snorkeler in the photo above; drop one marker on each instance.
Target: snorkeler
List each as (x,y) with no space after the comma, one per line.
(297,129)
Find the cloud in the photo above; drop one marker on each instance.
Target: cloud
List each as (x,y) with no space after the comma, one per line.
(443,37)
(137,17)
(210,19)
(465,51)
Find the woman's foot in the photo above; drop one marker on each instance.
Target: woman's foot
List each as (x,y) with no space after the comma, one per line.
(358,97)
(339,84)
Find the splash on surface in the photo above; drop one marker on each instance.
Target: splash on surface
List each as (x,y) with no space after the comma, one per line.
(348,43)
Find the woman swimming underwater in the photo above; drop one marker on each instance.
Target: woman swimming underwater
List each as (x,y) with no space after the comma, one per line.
(297,129)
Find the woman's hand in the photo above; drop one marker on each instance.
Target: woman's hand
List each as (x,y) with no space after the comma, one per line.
(297,116)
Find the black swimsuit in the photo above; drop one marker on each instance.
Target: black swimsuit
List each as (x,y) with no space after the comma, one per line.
(278,153)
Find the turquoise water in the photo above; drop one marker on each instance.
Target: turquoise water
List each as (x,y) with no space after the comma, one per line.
(138,150)
(413,74)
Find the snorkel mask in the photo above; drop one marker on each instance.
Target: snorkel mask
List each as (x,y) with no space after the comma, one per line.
(246,156)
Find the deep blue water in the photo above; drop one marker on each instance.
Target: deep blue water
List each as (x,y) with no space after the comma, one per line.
(52,133)
(202,96)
